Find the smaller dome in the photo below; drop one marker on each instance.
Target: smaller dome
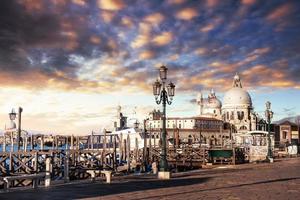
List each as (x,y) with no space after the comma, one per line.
(213,103)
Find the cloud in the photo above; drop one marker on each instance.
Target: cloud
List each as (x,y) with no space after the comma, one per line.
(107,16)
(175,2)
(146,55)
(187,13)
(280,12)
(248,2)
(79,2)
(154,19)
(212,3)
(113,5)
(140,41)
(163,39)
(207,28)
(95,39)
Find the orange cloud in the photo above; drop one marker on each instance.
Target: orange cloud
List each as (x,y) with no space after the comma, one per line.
(261,51)
(79,2)
(126,21)
(154,19)
(207,28)
(212,3)
(71,42)
(112,5)
(146,55)
(248,2)
(187,14)
(175,2)
(32,5)
(200,51)
(163,39)
(173,57)
(140,41)
(95,39)
(280,12)
(107,16)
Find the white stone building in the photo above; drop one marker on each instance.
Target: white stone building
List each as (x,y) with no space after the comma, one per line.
(237,108)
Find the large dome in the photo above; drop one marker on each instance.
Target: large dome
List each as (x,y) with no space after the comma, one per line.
(237,96)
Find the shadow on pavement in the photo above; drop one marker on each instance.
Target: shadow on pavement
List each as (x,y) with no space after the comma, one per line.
(89,190)
(220,188)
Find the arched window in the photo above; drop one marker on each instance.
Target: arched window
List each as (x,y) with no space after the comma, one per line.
(243,128)
(232,115)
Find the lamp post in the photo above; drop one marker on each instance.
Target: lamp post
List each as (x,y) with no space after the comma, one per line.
(12,117)
(163,94)
(269,116)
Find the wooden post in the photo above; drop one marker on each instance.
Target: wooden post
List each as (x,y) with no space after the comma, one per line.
(53,142)
(154,141)
(177,138)
(128,153)
(92,140)
(136,150)
(121,148)
(77,142)
(4,143)
(66,142)
(42,142)
(150,147)
(11,163)
(104,143)
(25,143)
(145,149)
(66,168)
(72,142)
(56,142)
(12,142)
(35,166)
(114,152)
(48,172)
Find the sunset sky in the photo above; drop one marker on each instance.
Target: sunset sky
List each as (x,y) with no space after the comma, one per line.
(69,63)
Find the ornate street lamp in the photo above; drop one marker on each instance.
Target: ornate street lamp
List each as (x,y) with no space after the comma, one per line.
(12,117)
(163,94)
(269,116)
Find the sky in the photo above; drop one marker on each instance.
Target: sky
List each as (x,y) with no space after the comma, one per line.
(70,63)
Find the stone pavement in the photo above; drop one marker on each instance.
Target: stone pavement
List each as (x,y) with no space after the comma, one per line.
(279,180)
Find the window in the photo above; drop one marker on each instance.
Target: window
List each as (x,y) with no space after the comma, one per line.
(179,125)
(227,115)
(284,135)
(232,115)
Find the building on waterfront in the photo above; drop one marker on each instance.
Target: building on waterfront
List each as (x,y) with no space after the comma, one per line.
(199,129)
(287,133)
(234,117)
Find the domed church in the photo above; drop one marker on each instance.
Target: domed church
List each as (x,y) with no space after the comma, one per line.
(236,110)
(210,106)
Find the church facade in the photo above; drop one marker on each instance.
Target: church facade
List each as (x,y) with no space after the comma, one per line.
(236,110)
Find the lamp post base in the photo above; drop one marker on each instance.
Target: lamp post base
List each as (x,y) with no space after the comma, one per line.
(164,175)
(270,160)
